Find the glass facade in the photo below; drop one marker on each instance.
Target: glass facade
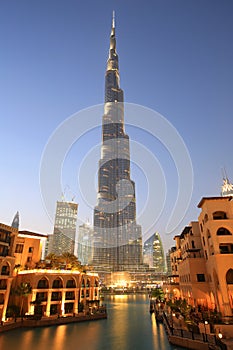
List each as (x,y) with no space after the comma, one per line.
(153,253)
(63,238)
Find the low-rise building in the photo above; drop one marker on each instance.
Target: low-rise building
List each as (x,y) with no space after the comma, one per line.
(216,228)
(29,248)
(8,236)
(202,261)
(57,292)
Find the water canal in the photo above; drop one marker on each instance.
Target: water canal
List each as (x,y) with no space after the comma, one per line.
(129,326)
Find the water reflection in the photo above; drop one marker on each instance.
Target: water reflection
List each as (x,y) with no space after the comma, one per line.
(129,327)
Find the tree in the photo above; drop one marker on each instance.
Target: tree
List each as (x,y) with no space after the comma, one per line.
(70,260)
(158,294)
(22,290)
(54,259)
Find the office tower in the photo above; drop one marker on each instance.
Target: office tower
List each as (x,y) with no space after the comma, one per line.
(85,243)
(118,243)
(153,253)
(63,238)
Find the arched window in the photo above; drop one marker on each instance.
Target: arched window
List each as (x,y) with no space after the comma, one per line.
(43,283)
(83,283)
(229,276)
(222,231)
(71,283)
(205,218)
(57,283)
(88,283)
(96,283)
(219,215)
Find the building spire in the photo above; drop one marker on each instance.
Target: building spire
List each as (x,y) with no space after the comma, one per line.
(113,19)
(112,36)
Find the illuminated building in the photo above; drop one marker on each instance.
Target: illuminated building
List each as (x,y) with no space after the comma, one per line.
(117,237)
(29,248)
(58,292)
(227,188)
(153,253)
(85,244)
(216,228)
(201,262)
(63,238)
(8,236)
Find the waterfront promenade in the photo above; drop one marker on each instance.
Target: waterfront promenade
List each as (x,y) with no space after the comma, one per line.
(52,320)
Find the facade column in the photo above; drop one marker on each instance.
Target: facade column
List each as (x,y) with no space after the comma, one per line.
(31,298)
(75,310)
(63,302)
(6,298)
(47,313)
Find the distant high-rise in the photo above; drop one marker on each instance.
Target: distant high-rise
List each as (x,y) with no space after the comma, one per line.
(85,243)
(118,242)
(153,253)
(15,222)
(227,188)
(63,238)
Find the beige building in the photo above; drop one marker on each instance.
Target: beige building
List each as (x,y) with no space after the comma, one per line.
(28,249)
(58,292)
(202,260)
(53,292)
(216,227)
(8,236)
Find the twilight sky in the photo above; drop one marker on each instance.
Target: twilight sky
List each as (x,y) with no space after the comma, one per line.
(175,58)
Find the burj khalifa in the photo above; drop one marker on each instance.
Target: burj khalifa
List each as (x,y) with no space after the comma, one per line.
(117,236)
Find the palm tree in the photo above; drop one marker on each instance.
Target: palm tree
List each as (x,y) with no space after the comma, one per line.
(158,294)
(70,260)
(54,259)
(22,290)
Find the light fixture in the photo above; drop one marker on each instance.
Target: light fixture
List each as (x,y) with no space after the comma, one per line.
(220,335)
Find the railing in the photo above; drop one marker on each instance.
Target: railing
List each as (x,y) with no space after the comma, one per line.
(206,338)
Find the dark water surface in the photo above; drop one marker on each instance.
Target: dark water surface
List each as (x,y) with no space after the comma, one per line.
(129,326)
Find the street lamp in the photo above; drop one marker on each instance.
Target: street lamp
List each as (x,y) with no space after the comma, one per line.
(205,323)
(173,315)
(220,335)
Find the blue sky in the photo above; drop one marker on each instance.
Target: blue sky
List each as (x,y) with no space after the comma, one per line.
(175,58)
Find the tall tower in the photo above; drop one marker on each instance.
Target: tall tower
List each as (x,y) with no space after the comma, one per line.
(117,237)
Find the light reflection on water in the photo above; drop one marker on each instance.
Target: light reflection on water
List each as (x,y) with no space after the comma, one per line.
(129,327)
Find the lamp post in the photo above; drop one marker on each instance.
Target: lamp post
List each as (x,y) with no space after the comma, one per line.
(205,323)
(172,315)
(219,334)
